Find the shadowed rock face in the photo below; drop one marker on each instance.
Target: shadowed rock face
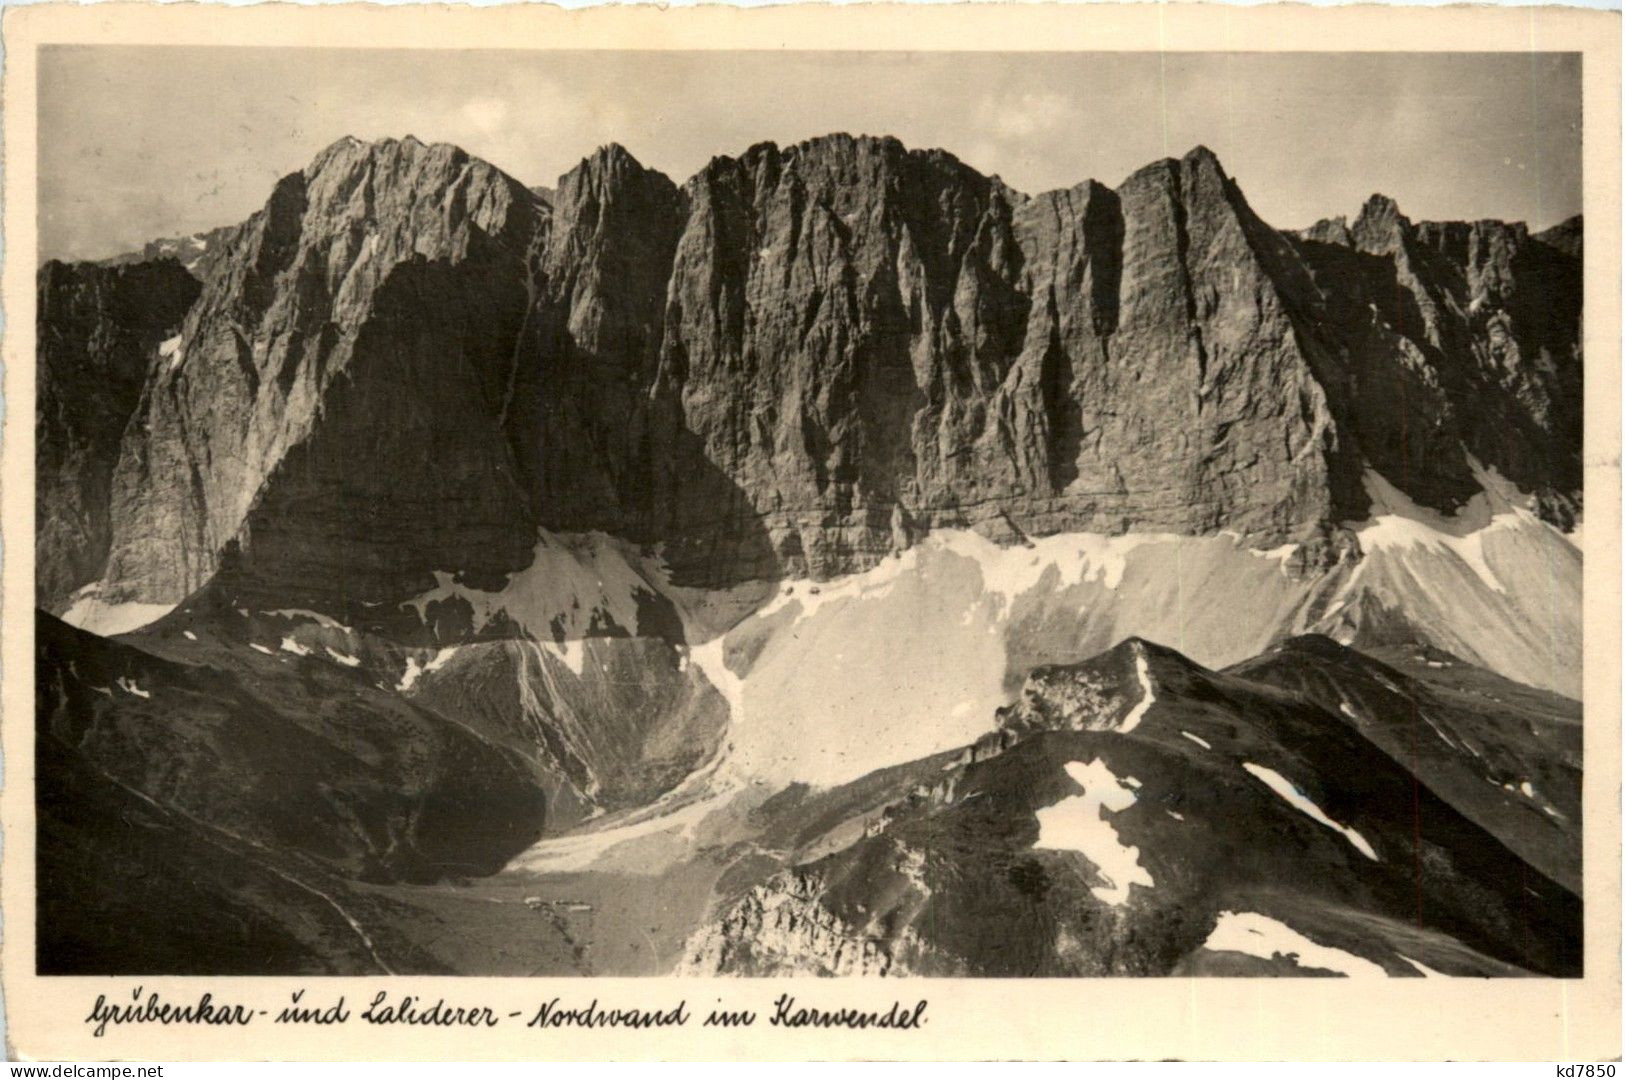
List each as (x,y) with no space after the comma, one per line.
(100,331)
(808,357)
(336,419)
(1460,340)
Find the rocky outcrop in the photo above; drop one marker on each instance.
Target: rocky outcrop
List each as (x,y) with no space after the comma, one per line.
(807,357)
(100,330)
(780,929)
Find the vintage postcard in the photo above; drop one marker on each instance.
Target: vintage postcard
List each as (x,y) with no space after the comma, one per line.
(986,531)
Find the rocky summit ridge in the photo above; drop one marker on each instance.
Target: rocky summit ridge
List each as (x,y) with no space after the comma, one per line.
(796,362)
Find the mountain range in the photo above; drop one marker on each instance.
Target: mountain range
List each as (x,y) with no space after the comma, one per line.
(839,562)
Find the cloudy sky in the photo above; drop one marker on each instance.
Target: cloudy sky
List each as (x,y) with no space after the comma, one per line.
(138,143)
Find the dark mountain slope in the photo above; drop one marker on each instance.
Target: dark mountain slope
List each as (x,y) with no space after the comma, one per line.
(1127,804)
(287,751)
(1504,755)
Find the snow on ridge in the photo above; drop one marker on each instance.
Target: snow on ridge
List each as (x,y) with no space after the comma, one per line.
(1078,823)
(1148,693)
(290,645)
(1258,935)
(410,675)
(1294,795)
(415,670)
(324,621)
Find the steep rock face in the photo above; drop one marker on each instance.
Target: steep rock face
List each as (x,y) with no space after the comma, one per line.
(871,342)
(1461,345)
(808,357)
(594,452)
(331,423)
(100,329)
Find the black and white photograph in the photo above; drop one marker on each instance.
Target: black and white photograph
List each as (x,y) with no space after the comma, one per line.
(546,513)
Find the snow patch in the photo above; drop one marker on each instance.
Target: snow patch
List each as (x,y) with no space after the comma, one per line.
(129,687)
(1439,731)
(290,645)
(257,647)
(1198,740)
(343,658)
(415,670)
(1399,524)
(1078,823)
(1258,935)
(572,653)
(576,586)
(1294,795)
(709,659)
(170,349)
(188,635)
(88,612)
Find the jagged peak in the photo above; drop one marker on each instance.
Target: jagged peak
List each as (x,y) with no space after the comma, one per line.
(843,140)
(350,151)
(1197,159)
(1332,230)
(610,164)
(1379,209)
(1202,157)
(612,155)
(842,143)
